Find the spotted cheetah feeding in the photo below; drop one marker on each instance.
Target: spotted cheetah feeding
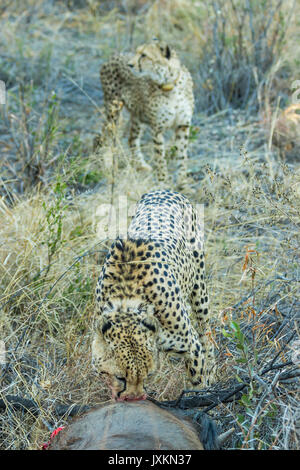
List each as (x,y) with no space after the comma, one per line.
(149,286)
(157,91)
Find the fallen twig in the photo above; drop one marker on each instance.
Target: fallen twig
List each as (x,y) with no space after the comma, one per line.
(24,404)
(265,284)
(197,400)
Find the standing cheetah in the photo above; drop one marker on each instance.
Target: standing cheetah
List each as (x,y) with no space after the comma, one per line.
(149,286)
(157,91)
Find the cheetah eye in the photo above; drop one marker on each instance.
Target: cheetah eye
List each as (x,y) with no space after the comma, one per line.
(122,379)
(143,56)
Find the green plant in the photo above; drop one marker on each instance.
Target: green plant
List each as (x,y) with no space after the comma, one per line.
(256,407)
(245,353)
(54,215)
(194,133)
(33,132)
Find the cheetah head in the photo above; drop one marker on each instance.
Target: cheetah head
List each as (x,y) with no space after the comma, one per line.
(124,348)
(157,62)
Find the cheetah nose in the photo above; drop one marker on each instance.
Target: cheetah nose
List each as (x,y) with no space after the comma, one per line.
(135,398)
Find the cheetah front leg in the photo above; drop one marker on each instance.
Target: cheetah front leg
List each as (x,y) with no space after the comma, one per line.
(199,303)
(134,144)
(113,107)
(187,346)
(181,143)
(200,362)
(159,156)
(196,362)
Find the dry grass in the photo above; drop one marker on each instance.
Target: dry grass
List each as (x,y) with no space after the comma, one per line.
(52,206)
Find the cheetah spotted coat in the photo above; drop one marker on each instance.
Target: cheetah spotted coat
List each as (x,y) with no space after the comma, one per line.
(150,286)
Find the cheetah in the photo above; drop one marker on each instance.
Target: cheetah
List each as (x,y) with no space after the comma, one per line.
(148,285)
(157,90)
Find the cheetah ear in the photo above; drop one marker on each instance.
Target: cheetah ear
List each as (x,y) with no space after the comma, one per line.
(168,52)
(119,244)
(104,322)
(148,319)
(106,325)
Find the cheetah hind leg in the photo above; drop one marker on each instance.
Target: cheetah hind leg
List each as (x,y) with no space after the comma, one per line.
(184,183)
(181,144)
(101,152)
(102,142)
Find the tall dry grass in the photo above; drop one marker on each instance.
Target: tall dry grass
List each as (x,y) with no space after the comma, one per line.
(54,220)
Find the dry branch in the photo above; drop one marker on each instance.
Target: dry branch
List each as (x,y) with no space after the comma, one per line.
(17,403)
(188,399)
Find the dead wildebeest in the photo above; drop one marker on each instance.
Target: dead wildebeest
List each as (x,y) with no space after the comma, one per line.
(137,426)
